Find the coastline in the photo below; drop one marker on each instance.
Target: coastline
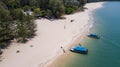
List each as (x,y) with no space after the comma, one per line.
(51,35)
(63,57)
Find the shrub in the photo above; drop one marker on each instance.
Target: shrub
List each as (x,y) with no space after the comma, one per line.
(70,9)
(44,13)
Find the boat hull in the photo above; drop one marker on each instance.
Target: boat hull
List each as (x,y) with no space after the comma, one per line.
(94,36)
(79,51)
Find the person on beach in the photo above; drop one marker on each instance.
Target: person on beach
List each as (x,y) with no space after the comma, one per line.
(71,20)
(64,27)
(79,44)
(17,51)
(63,49)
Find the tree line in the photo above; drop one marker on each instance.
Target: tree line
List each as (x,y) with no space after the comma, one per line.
(14,24)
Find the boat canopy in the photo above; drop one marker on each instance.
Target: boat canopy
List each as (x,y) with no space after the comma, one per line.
(80,48)
(93,35)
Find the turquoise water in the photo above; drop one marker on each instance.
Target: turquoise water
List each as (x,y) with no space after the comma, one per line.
(106,51)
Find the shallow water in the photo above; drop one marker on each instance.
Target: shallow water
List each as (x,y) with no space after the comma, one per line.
(104,52)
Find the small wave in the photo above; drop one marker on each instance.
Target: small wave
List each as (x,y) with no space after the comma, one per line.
(91,21)
(111,42)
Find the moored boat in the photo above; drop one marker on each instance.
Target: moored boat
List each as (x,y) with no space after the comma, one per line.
(79,49)
(94,36)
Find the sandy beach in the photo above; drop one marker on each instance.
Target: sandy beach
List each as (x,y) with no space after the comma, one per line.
(52,37)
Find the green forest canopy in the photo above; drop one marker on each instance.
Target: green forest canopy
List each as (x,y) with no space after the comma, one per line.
(14,24)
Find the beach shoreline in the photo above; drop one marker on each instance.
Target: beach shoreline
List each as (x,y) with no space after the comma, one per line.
(52,37)
(78,40)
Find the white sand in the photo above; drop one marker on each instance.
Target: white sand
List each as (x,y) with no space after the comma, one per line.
(51,35)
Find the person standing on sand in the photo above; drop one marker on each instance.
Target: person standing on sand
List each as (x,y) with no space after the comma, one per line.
(17,51)
(63,49)
(64,27)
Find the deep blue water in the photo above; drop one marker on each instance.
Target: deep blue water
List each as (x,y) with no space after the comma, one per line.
(104,52)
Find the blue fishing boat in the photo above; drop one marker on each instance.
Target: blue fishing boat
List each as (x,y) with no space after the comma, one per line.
(94,36)
(79,49)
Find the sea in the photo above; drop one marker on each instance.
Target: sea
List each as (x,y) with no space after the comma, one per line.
(103,52)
